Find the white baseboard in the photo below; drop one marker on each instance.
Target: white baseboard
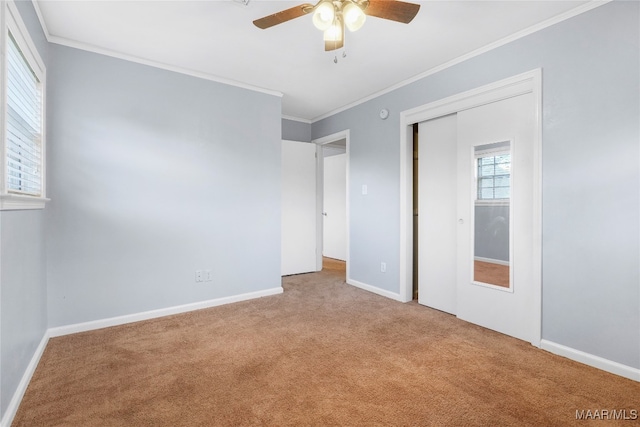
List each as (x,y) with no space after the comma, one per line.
(382,292)
(10,413)
(152,314)
(7,419)
(591,360)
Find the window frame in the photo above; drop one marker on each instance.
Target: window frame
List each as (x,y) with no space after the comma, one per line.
(11,22)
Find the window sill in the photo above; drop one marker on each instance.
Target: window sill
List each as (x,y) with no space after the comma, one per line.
(15,202)
(496,202)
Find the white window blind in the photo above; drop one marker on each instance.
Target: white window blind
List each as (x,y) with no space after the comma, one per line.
(24,124)
(494,177)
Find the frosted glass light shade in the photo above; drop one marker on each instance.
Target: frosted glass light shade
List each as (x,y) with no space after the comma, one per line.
(333,33)
(324,15)
(354,17)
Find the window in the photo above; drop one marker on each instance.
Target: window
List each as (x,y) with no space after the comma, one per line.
(23,178)
(494,177)
(493,173)
(24,101)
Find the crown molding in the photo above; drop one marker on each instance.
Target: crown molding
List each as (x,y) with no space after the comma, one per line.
(43,24)
(518,35)
(513,37)
(296,119)
(132,58)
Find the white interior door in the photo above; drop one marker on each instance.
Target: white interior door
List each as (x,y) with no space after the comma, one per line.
(298,207)
(334,229)
(476,240)
(437,210)
(500,136)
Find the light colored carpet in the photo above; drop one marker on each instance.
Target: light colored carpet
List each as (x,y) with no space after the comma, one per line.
(321,354)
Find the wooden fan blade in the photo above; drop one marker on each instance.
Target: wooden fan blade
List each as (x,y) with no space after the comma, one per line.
(393,10)
(283,16)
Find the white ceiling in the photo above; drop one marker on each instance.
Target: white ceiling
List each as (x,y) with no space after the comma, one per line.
(218,39)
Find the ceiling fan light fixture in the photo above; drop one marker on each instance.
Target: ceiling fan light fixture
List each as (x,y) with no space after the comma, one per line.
(324,15)
(331,16)
(334,32)
(354,17)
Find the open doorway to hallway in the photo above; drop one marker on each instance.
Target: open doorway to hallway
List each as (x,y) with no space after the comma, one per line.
(333,202)
(334,265)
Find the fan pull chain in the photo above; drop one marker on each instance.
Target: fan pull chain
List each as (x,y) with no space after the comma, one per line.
(335,58)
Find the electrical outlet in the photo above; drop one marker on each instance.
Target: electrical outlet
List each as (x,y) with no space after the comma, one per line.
(383,267)
(199,276)
(208,276)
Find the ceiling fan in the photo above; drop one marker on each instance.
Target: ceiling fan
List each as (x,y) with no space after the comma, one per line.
(331,16)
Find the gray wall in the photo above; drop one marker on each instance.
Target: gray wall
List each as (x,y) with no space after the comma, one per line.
(491,232)
(591,111)
(23,305)
(293,130)
(154,175)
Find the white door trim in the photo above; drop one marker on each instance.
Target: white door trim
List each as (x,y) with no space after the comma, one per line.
(529,82)
(345,134)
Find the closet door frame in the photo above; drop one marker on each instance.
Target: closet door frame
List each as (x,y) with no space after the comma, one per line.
(529,82)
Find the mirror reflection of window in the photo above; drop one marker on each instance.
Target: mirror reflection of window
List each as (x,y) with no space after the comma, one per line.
(494,177)
(492,214)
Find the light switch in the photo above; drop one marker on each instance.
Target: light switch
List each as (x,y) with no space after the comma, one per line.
(365,190)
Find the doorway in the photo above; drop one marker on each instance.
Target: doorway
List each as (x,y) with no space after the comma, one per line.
(333,200)
(450,215)
(334,231)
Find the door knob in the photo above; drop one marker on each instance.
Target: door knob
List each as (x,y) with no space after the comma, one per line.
(324,213)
